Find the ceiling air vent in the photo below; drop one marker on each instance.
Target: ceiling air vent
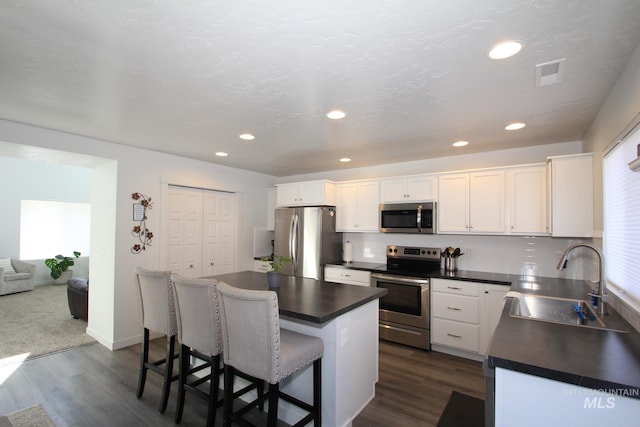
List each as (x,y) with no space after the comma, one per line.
(550,73)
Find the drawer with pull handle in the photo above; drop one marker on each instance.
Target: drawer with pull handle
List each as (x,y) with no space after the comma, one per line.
(455,307)
(348,276)
(455,334)
(455,287)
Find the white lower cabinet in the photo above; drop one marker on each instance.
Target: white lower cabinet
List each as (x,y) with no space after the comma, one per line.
(490,310)
(347,276)
(261,266)
(463,336)
(464,315)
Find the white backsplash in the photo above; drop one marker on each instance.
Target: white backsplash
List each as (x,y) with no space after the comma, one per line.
(523,255)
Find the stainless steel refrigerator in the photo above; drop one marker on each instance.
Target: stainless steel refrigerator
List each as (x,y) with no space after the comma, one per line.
(308,236)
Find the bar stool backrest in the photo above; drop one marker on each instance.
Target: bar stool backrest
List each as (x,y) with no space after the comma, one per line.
(199,320)
(251,331)
(156,296)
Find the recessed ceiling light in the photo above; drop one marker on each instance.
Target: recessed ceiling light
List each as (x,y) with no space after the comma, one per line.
(514,126)
(336,114)
(247,137)
(345,159)
(460,143)
(222,154)
(505,49)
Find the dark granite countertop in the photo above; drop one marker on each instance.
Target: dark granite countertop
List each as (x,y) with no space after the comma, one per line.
(586,357)
(311,300)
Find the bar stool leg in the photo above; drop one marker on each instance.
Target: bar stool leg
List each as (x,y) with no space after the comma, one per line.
(214,386)
(144,359)
(168,373)
(272,418)
(182,375)
(228,395)
(317,392)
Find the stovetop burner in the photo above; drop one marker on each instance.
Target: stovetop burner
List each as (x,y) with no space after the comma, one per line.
(413,261)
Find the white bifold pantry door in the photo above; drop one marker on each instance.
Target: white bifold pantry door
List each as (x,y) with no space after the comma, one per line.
(201,231)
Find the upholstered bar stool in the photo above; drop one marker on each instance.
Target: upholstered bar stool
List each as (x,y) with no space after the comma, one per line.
(200,336)
(255,345)
(158,315)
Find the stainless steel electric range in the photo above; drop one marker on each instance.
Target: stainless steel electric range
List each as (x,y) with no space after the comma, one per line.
(404,311)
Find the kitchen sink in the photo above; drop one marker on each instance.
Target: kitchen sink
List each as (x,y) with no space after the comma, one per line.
(575,312)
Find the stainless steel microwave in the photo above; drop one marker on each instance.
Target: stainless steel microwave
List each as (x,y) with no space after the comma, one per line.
(417,217)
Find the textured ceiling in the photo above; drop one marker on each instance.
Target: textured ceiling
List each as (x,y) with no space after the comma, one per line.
(187,77)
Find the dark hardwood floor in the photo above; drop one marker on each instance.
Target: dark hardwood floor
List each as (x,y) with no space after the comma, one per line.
(414,386)
(92,386)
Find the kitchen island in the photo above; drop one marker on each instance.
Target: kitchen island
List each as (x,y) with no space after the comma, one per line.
(346,318)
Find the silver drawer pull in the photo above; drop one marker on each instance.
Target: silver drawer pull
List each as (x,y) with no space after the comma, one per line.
(453,287)
(454,336)
(454,308)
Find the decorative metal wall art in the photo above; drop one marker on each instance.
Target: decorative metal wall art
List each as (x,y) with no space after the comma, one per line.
(141,231)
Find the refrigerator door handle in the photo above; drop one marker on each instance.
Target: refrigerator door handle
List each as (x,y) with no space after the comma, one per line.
(293,239)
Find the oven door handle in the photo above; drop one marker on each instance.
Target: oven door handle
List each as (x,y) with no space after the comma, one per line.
(399,279)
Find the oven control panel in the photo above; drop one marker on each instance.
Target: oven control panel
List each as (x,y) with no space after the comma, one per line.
(413,252)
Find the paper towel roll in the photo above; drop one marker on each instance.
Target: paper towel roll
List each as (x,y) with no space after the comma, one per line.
(347,252)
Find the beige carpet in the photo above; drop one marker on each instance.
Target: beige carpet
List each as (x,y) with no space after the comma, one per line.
(33,416)
(39,322)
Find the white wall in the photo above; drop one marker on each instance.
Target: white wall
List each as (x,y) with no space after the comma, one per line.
(118,172)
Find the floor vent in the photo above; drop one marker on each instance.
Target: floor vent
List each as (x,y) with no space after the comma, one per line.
(550,73)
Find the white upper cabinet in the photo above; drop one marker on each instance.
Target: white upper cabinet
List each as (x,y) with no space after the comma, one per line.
(528,200)
(472,202)
(453,203)
(571,195)
(309,193)
(416,188)
(357,206)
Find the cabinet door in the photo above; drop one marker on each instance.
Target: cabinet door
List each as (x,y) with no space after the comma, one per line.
(368,207)
(406,189)
(453,203)
(572,196)
(287,194)
(393,190)
(528,200)
(486,204)
(490,312)
(346,207)
(422,188)
(311,192)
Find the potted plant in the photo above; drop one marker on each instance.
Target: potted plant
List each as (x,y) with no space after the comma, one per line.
(60,263)
(275,265)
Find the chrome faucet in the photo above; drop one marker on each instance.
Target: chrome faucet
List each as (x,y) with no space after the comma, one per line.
(600,290)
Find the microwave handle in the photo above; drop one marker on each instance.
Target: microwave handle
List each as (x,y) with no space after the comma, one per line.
(419,219)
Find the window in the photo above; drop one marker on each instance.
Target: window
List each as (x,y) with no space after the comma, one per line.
(51,228)
(622,221)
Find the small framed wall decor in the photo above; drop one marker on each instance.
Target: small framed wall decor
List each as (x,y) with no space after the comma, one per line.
(138,212)
(140,231)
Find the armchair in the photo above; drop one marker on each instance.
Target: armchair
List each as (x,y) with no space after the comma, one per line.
(21,280)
